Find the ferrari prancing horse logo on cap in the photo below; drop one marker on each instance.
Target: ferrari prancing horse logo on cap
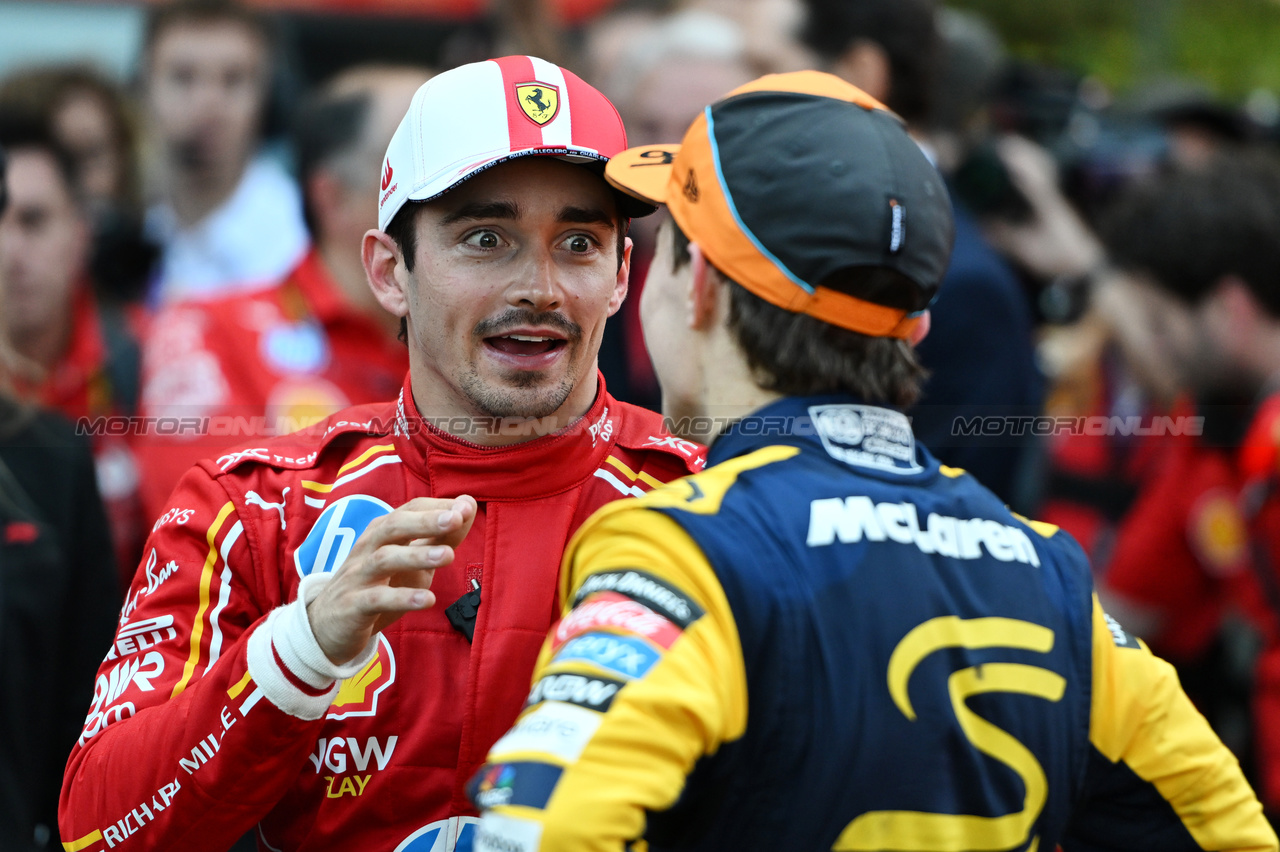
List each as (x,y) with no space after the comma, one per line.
(539,101)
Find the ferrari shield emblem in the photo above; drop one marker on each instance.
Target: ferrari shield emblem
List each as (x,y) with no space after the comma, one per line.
(539,101)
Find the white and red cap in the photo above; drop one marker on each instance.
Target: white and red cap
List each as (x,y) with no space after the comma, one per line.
(475,116)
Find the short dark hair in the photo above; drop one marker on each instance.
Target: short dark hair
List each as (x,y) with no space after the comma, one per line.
(27,130)
(165,16)
(905,29)
(1188,230)
(799,355)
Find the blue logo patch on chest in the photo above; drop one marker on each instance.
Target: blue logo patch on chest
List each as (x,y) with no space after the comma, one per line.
(329,542)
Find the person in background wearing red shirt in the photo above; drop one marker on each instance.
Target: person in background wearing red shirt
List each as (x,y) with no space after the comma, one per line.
(75,357)
(277,360)
(1198,260)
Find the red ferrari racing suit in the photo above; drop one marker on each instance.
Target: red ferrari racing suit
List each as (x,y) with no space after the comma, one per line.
(215,709)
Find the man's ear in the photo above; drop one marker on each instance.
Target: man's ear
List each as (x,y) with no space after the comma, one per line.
(325,192)
(382,260)
(1233,319)
(921,331)
(705,290)
(622,284)
(1238,302)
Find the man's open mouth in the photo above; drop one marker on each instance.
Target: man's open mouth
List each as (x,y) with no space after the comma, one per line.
(525,344)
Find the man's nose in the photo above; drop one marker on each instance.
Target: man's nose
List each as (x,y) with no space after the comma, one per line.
(536,285)
(208,92)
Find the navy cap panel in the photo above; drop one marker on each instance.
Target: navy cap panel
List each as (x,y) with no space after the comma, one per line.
(817,213)
(928,226)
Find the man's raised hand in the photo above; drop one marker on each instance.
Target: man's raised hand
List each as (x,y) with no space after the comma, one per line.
(388,573)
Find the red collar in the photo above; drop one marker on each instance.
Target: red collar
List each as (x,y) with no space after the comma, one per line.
(534,469)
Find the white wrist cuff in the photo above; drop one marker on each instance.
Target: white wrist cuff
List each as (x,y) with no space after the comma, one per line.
(287,663)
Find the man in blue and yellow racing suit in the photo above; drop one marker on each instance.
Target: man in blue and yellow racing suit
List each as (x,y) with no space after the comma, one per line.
(828,640)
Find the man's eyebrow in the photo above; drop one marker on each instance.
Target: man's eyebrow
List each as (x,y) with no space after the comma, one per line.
(587,216)
(483,210)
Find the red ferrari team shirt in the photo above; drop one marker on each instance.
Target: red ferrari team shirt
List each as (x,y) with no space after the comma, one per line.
(249,366)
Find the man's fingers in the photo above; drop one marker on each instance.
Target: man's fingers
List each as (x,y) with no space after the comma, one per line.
(386,603)
(405,525)
(392,559)
(463,512)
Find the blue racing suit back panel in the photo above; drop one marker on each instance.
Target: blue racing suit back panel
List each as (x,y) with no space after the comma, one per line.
(907,642)
(827,640)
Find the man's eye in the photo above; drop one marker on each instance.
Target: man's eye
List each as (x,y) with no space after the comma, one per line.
(483,239)
(580,244)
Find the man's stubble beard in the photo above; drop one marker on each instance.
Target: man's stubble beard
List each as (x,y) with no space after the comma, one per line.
(521,397)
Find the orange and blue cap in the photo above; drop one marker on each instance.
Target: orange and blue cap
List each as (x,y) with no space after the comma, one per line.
(793,178)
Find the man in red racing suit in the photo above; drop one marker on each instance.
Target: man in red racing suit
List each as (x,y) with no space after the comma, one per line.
(280,661)
(206,636)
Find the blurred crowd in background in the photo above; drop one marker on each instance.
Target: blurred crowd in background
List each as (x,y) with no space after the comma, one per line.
(180,272)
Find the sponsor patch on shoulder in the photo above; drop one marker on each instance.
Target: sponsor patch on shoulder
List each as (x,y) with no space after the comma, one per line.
(520,783)
(593,693)
(867,436)
(611,611)
(560,730)
(627,656)
(1122,637)
(659,595)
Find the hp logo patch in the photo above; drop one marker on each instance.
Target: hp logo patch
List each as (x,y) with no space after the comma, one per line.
(455,834)
(329,542)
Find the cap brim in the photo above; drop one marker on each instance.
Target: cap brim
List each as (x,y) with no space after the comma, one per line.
(631,206)
(643,172)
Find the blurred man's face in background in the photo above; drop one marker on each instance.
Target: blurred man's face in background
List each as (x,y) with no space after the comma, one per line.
(43,244)
(350,183)
(206,87)
(668,99)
